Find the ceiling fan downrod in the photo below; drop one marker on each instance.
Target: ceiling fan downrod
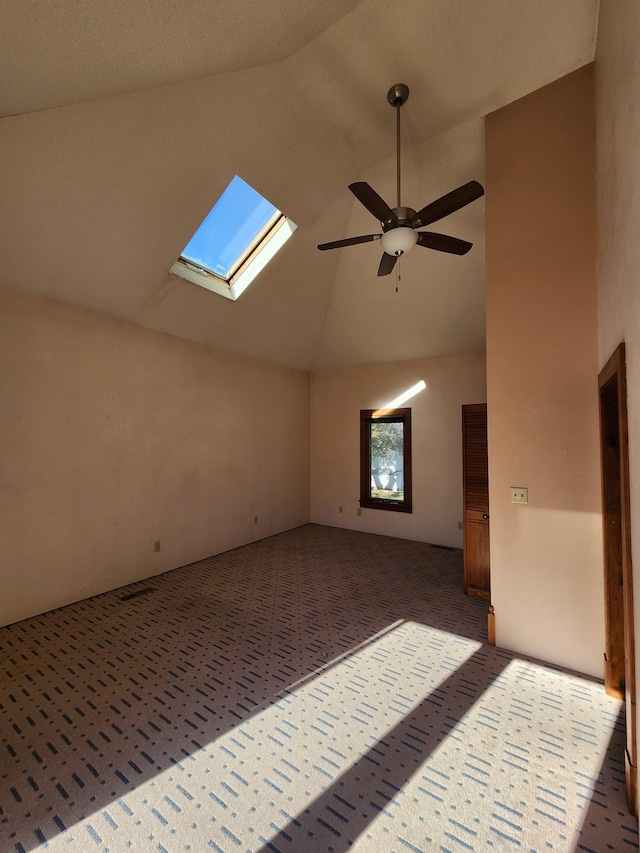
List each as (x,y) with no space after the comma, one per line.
(397,96)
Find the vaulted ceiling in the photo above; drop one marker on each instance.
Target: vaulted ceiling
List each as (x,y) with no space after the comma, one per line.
(123,122)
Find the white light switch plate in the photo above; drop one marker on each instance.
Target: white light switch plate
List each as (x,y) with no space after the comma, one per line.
(519,495)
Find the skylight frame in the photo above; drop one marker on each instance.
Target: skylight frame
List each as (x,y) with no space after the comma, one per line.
(257,254)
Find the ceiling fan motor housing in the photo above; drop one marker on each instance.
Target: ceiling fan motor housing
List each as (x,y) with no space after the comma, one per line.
(404,215)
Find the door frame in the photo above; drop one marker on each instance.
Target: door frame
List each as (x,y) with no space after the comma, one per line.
(619,670)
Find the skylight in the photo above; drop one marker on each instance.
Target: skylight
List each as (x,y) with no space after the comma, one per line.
(238,237)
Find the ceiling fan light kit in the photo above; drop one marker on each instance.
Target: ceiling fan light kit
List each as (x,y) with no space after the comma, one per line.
(399,224)
(398,241)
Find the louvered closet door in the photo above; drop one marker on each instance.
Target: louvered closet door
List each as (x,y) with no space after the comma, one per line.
(476,500)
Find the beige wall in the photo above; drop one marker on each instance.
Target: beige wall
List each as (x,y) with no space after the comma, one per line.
(542,368)
(618,144)
(114,437)
(337,397)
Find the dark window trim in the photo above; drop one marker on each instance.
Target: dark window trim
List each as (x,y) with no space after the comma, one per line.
(368,416)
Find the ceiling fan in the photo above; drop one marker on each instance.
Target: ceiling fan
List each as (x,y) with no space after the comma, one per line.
(399,224)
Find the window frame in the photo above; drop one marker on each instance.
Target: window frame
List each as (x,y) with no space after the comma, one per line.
(367,417)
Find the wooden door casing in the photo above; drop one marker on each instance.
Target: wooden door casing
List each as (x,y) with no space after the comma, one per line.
(620,669)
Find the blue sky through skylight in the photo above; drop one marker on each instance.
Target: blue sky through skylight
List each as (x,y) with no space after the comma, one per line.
(229,229)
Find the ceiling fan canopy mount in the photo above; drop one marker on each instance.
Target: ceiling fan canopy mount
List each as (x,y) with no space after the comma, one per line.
(399,224)
(398,94)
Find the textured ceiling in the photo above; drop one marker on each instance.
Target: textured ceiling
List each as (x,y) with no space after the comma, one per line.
(63,52)
(124,122)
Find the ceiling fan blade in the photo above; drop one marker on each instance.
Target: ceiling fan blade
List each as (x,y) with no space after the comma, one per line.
(447,204)
(349,241)
(443,243)
(387,263)
(367,196)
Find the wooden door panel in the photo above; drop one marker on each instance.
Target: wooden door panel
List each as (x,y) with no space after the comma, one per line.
(475,501)
(477,579)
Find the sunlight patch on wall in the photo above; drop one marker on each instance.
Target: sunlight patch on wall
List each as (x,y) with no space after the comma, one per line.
(401,399)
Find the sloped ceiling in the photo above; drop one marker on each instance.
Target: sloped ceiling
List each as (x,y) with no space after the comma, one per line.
(123,122)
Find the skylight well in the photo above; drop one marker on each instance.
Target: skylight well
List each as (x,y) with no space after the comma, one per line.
(237,239)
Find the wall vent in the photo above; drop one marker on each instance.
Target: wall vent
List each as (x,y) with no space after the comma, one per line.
(138,592)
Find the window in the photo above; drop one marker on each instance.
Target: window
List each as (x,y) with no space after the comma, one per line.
(385,459)
(238,237)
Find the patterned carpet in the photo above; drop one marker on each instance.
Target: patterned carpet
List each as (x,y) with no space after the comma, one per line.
(316,691)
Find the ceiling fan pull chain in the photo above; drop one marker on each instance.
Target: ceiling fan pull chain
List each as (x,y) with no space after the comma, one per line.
(398,276)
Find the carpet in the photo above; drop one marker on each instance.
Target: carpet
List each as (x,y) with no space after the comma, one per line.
(320,690)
